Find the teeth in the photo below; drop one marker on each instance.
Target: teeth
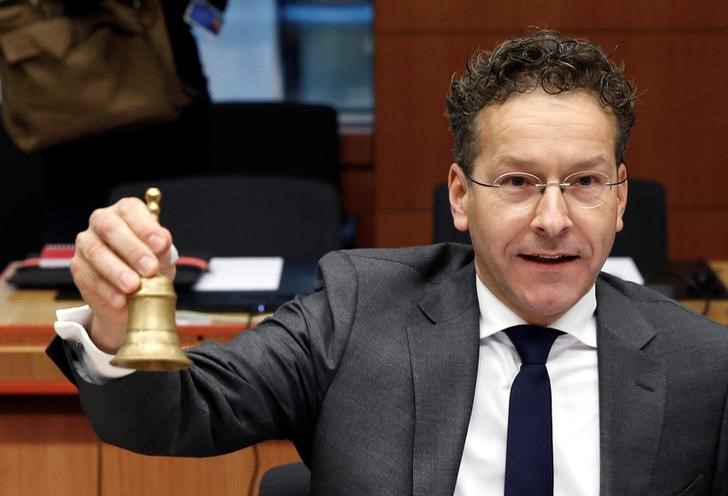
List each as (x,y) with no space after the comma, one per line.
(550,258)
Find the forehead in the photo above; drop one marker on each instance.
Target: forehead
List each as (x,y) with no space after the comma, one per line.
(543,128)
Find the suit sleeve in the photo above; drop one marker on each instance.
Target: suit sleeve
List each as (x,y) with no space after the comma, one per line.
(267,383)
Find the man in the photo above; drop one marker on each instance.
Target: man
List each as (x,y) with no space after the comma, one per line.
(393,377)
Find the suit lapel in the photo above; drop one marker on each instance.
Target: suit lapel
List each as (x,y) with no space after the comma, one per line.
(444,351)
(631,395)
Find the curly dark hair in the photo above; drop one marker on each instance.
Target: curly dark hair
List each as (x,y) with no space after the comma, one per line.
(546,60)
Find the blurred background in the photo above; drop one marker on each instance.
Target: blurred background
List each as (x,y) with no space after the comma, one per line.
(385,67)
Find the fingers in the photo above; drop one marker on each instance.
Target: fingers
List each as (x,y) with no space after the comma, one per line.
(96,288)
(108,303)
(133,233)
(122,241)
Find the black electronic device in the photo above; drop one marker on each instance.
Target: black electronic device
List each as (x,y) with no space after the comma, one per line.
(685,280)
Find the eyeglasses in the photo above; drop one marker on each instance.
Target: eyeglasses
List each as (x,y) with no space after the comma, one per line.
(584,189)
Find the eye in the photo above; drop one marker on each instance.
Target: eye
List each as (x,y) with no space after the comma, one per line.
(587,179)
(515,180)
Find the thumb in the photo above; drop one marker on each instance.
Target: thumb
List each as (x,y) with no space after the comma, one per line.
(167,262)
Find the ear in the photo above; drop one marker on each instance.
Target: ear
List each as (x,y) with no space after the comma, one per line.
(458,193)
(621,195)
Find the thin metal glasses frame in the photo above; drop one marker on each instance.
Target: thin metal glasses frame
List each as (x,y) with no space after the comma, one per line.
(541,186)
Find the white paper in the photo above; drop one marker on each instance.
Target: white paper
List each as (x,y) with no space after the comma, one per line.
(54,263)
(624,268)
(242,274)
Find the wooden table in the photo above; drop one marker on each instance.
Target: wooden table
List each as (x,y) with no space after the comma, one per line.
(47,445)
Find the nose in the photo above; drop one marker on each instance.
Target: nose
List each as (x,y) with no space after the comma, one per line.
(551,217)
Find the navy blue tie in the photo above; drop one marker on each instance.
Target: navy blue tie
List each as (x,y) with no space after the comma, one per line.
(529,452)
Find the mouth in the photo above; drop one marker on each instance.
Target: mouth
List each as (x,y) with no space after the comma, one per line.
(549,259)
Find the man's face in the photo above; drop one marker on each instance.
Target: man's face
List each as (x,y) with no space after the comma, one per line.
(541,259)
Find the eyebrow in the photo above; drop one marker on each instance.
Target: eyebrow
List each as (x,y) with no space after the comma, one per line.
(528,164)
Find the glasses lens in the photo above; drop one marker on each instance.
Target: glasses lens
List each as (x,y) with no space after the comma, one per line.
(587,188)
(518,188)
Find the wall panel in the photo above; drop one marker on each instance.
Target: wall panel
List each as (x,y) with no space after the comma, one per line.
(402,228)
(408,16)
(706,228)
(672,51)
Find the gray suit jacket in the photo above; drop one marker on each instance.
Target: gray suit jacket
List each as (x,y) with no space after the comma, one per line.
(373,377)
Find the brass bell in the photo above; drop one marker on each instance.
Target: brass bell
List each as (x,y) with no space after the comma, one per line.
(151,341)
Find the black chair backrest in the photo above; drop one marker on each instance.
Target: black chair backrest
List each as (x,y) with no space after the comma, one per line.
(290,139)
(276,138)
(644,237)
(293,479)
(246,216)
(442,227)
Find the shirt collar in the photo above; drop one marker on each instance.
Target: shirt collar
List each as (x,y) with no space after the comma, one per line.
(578,321)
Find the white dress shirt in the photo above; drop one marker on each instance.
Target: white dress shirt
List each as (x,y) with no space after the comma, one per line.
(572,367)
(71,326)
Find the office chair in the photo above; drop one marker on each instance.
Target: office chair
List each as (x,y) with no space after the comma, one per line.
(279,139)
(228,216)
(442,228)
(293,479)
(644,236)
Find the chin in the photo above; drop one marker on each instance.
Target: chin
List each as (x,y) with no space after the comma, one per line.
(550,303)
